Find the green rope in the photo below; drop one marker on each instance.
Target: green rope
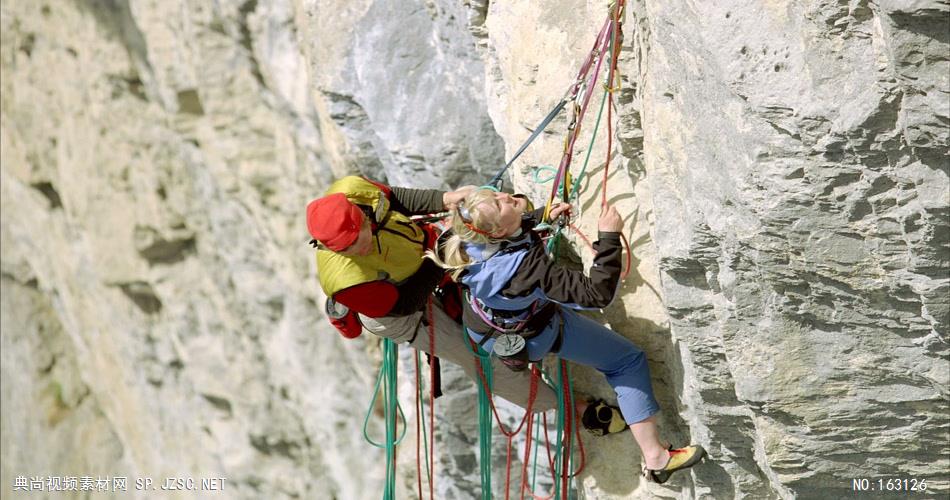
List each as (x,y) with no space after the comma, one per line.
(391,405)
(386,371)
(484,415)
(559,453)
(575,190)
(485,428)
(392,413)
(552,244)
(558,443)
(590,148)
(389,384)
(387,374)
(536,174)
(570,452)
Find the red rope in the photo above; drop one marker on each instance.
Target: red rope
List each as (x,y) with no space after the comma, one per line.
(579,233)
(508,470)
(418,428)
(610,134)
(527,456)
(574,129)
(616,33)
(547,440)
(615,53)
(509,434)
(626,246)
(532,395)
(431,399)
(580,446)
(614,56)
(572,430)
(535,496)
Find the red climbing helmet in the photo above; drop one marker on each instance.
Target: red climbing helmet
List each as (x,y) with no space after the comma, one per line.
(334,221)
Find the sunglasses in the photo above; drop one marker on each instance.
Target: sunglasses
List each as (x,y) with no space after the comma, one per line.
(466,217)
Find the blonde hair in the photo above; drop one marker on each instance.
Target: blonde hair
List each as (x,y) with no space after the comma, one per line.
(470,224)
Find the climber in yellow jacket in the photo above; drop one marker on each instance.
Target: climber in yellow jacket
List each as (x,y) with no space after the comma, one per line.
(371,267)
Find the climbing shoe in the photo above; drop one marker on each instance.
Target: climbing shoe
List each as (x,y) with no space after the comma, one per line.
(682,458)
(601,418)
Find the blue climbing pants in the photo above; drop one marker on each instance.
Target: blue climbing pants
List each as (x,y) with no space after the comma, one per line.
(589,343)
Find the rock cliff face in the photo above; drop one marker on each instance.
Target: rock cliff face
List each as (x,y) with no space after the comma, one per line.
(783,168)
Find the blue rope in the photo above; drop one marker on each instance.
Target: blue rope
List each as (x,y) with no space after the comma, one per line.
(496,179)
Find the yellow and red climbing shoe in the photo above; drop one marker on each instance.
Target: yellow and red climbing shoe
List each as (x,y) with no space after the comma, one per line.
(682,458)
(601,418)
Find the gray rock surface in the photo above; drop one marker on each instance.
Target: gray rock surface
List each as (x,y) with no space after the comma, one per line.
(783,168)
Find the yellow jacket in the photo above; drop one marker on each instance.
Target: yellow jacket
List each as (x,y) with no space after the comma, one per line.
(399,248)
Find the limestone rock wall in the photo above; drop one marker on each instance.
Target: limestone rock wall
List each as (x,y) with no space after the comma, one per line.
(790,224)
(153,174)
(782,166)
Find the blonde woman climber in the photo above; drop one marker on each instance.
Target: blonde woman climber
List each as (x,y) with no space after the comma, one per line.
(519,304)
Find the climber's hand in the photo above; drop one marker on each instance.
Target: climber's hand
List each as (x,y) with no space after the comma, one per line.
(559,209)
(610,220)
(451,198)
